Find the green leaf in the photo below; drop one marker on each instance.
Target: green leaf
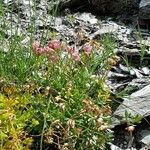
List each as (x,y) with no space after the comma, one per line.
(137,118)
(3,135)
(35,122)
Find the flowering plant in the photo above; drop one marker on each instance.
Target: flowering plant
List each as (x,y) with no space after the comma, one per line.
(53,46)
(77,96)
(56,96)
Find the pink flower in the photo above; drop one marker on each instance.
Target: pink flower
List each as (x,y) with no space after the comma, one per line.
(35,45)
(54,44)
(38,51)
(87,48)
(75,56)
(70,49)
(48,50)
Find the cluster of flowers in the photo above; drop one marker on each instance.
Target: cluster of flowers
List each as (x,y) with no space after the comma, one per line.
(53,46)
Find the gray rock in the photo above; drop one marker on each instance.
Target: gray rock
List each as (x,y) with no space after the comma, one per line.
(136,103)
(146,70)
(142,93)
(101,6)
(139,83)
(113,6)
(145,137)
(144,11)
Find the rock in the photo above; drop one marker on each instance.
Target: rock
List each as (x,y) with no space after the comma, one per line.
(144,12)
(87,17)
(109,7)
(137,103)
(139,83)
(145,137)
(113,6)
(146,70)
(143,92)
(114,147)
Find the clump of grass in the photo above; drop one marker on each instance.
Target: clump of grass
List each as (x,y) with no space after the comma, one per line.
(142,46)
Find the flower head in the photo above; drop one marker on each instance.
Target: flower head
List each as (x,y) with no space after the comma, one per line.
(48,50)
(35,45)
(87,48)
(54,44)
(36,48)
(39,51)
(75,56)
(69,49)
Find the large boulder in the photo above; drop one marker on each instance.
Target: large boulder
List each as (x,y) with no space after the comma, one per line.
(144,12)
(101,7)
(113,6)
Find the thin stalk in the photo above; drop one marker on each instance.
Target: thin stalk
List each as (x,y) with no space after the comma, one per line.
(46,113)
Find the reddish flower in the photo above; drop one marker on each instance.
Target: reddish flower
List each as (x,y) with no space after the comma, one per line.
(87,48)
(35,45)
(54,44)
(48,50)
(75,56)
(38,51)
(69,49)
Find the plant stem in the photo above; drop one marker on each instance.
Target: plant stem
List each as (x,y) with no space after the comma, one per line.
(42,135)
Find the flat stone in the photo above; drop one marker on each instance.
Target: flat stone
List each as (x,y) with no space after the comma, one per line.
(137,103)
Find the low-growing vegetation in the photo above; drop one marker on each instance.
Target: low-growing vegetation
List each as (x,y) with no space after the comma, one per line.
(53,93)
(51,96)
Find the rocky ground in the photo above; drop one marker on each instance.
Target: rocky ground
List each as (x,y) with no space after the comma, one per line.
(130,39)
